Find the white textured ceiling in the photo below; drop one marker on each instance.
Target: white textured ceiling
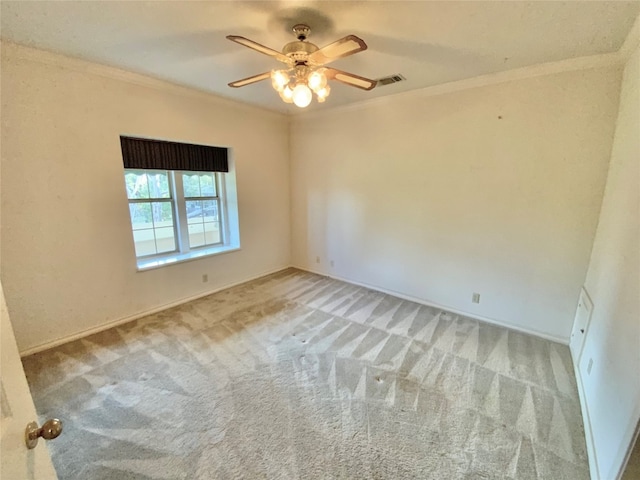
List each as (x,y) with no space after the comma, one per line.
(430,43)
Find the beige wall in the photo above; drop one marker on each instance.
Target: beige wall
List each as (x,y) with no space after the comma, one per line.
(494,190)
(612,390)
(68,261)
(432,197)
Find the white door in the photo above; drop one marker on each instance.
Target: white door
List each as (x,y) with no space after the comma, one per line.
(16,461)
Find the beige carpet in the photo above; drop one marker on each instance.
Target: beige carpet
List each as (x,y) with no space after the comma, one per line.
(297,376)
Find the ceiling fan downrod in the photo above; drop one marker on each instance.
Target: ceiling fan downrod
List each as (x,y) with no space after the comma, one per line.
(301,31)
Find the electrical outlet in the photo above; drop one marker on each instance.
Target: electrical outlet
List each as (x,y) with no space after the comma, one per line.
(475,298)
(332,264)
(205,278)
(589,366)
(317,259)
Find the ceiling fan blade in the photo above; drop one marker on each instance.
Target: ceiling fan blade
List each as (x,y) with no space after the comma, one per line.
(260,48)
(341,48)
(250,80)
(351,79)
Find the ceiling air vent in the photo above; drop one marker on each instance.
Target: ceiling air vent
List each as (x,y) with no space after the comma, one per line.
(390,79)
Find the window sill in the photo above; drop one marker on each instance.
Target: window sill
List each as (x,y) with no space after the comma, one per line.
(175,258)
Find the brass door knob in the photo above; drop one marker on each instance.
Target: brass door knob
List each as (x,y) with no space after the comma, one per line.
(50,429)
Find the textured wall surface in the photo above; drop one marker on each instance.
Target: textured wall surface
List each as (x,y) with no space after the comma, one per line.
(494,190)
(68,261)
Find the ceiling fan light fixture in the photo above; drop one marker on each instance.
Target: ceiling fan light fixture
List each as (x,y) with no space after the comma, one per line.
(302,95)
(305,73)
(317,80)
(323,93)
(279,79)
(286,94)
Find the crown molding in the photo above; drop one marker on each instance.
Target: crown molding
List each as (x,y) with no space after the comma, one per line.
(12,51)
(539,70)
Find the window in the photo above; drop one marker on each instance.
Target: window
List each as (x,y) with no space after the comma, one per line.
(177,215)
(152,211)
(182,200)
(203,208)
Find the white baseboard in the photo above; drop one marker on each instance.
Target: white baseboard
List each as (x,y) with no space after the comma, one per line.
(129,318)
(635,437)
(114,323)
(422,301)
(586,421)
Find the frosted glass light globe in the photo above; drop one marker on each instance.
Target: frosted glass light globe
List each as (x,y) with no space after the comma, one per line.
(323,93)
(302,95)
(279,79)
(287,94)
(317,81)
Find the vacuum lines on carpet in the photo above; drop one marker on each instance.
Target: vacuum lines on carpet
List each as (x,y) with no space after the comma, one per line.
(298,376)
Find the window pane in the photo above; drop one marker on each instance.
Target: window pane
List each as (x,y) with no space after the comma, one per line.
(162,214)
(136,182)
(194,211)
(140,215)
(158,183)
(196,235)
(212,233)
(165,239)
(210,210)
(207,185)
(191,184)
(144,242)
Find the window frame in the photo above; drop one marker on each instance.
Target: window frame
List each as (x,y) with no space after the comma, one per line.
(181,204)
(151,200)
(177,200)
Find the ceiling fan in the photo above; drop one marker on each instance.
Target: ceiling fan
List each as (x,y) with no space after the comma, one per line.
(305,72)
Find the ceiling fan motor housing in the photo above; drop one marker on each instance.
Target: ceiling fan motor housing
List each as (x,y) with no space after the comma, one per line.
(299,51)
